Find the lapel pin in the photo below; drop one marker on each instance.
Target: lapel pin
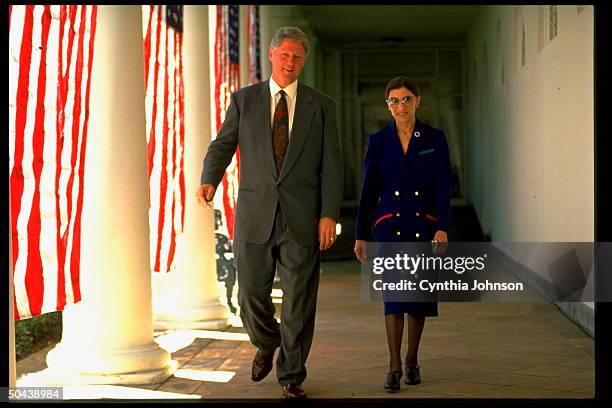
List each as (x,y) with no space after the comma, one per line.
(417,134)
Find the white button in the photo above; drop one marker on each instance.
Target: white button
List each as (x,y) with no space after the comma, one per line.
(417,235)
(397,214)
(396,192)
(416,193)
(417,134)
(398,233)
(418,214)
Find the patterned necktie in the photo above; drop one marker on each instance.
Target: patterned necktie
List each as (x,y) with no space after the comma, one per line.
(280,131)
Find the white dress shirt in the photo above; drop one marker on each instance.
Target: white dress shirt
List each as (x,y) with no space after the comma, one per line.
(291,93)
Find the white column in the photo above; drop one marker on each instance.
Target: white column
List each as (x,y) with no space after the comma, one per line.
(108,336)
(265,35)
(11,322)
(243,45)
(187,298)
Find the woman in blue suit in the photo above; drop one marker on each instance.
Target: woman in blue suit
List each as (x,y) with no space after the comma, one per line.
(405,196)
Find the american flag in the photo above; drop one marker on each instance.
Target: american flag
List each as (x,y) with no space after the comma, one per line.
(253,44)
(227,80)
(165,112)
(50,57)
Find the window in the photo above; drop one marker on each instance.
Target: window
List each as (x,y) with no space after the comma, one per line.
(552,22)
(548,25)
(519,56)
(499,55)
(523,45)
(474,76)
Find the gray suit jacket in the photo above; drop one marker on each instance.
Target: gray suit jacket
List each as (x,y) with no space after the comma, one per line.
(310,184)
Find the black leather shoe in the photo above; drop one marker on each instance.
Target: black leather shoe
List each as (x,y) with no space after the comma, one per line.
(393,381)
(291,391)
(262,365)
(413,375)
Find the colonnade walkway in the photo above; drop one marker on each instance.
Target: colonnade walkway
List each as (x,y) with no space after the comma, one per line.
(473,350)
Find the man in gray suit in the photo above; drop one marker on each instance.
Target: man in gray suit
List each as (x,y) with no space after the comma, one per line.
(289,199)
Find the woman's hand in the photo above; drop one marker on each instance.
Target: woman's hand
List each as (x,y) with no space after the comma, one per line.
(440,236)
(440,242)
(360,250)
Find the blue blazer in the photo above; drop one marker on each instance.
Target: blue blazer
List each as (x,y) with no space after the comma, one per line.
(405,197)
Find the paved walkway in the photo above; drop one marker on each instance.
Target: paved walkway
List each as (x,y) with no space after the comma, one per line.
(474,350)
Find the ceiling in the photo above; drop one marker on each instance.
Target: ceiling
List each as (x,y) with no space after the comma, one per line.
(347,25)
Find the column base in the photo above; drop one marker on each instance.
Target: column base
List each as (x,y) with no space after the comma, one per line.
(209,316)
(74,363)
(49,377)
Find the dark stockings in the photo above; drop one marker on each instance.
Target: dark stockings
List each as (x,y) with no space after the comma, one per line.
(394,323)
(415,329)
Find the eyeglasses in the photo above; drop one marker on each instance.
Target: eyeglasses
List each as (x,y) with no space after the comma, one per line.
(393,101)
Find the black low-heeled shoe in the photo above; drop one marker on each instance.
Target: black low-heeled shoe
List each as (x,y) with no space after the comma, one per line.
(393,382)
(413,375)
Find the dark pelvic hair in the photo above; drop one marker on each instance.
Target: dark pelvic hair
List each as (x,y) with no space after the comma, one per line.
(401,82)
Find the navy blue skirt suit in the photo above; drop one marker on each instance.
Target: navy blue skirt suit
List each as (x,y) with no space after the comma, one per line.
(405,197)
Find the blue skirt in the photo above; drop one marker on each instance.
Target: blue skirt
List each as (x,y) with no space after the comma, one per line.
(412,308)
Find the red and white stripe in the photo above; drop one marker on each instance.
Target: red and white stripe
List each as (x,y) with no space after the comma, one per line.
(252,23)
(164,103)
(227,81)
(50,56)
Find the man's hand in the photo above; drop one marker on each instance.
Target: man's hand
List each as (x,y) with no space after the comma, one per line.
(327,233)
(205,194)
(360,250)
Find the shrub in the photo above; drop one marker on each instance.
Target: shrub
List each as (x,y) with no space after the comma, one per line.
(36,333)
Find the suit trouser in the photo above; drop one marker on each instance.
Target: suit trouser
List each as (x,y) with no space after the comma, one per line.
(298,269)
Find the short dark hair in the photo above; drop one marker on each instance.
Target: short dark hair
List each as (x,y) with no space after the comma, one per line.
(401,82)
